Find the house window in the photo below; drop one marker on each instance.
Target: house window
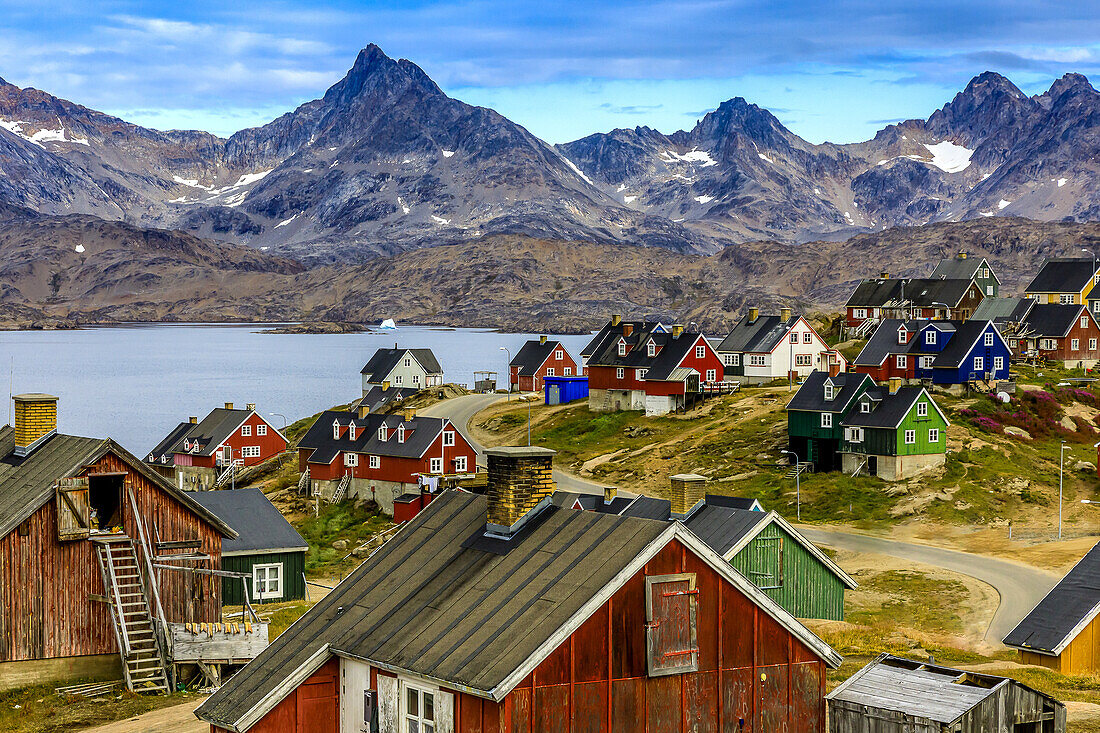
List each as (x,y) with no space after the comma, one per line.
(903,335)
(351,459)
(436,465)
(979,363)
(828,391)
(985,272)
(550,372)
(930,337)
(1074,344)
(448,438)
(989,290)
(807,337)
(620,373)
(351,430)
(335,429)
(700,352)
(1013,343)
(865,407)
(926,362)
(622,348)
(416,379)
(400,433)
(267,581)
(910,437)
(1092,344)
(989,339)
(557,355)
(670,631)
(1046,344)
(803,359)
(859,312)
(922,409)
(826,419)
(933,435)
(250,451)
(246,431)
(853,435)
(397,379)
(794,337)
(261,430)
(383,435)
(419,711)
(756,360)
(727,359)
(460,464)
(998,363)
(651,349)
(567,371)
(374,462)
(1065,299)
(408,362)
(1084,321)
(639,373)
(901,361)
(1096,306)
(712,375)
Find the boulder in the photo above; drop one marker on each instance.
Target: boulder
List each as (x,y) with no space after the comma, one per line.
(1018,432)
(340,545)
(1084,466)
(1067,423)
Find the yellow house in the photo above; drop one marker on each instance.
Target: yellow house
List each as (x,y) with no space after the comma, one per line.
(1065,280)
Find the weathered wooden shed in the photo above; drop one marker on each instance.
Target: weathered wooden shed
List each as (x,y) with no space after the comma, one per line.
(895,694)
(1062,631)
(506,613)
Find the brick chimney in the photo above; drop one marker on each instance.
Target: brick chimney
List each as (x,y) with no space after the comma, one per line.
(894,384)
(193,419)
(251,406)
(784,314)
(364,410)
(628,328)
(754,313)
(542,340)
(35,421)
(688,491)
(385,385)
(609,493)
(961,255)
(677,330)
(520,485)
(408,413)
(834,368)
(229,405)
(616,319)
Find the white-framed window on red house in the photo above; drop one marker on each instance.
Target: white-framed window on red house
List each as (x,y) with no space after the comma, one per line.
(700,352)
(1074,344)
(351,459)
(558,355)
(567,371)
(901,361)
(712,375)
(261,430)
(246,431)
(550,371)
(620,373)
(460,464)
(448,438)
(250,451)
(435,465)
(375,462)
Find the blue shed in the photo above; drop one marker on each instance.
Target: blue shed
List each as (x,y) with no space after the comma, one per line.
(559,390)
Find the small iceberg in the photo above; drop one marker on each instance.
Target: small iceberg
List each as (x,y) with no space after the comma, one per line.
(388,325)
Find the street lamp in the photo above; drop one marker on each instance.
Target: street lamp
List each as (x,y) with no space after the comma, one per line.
(797,485)
(1061,460)
(509,371)
(275,414)
(946,307)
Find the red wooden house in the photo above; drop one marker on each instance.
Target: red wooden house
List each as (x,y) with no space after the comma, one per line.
(642,365)
(1063,333)
(538,359)
(196,454)
(505,613)
(75,512)
(400,460)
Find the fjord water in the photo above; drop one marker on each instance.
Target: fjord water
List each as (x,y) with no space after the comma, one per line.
(135,383)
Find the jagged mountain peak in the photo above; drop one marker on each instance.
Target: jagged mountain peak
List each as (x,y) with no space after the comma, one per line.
(1070,84)
(736,117)
(990,103)
(376,74)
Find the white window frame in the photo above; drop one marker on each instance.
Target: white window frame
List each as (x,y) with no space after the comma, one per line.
(401,433)
(859,313)
(622,348)
(926,362)
(639,374)
(620,373)
(989,339)
(902,362)
(1065,299)
(979,364)
(1096,306)
(930,337)
(712,375)
(261,430)
(903,335)
(651,349)
(803,359)
(250,451)
(550,372)
(826,419)
(998,363)
(383,434)
(408,362)
(700,352)
(933,435)
(794,337)
(989,290)
(757,360)
(435,465)
(246,431)
(460,464)
(567,371)
(351,459)
(448,438)
(828,391)
(397,379)
(374,461)
(260,590)
(1092,344)
(865,407)
(419,720)
(351,430)
(922,409)
(910,437)
(1074,344)
(335,429)
(558,355)
(1084,321)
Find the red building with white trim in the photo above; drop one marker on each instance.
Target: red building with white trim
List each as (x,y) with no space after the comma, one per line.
(538,359)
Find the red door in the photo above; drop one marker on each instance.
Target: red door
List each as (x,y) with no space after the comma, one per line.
(317,705)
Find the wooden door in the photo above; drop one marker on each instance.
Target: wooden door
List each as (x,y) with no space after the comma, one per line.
(317,706)
(670,624)
(73,509)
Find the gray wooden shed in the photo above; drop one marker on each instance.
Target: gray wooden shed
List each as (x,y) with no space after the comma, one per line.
(899,695)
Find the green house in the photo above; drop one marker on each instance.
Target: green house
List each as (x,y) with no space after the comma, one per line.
(894,432)
(268,550)
(962,267)
(771,553)
(815,416)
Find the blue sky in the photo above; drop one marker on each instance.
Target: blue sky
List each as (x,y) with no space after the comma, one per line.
(829,70)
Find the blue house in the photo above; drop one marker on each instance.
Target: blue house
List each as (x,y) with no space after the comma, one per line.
(976,350)
(559,390)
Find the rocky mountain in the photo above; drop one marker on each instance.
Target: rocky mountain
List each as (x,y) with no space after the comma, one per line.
(386,162)
(81,269)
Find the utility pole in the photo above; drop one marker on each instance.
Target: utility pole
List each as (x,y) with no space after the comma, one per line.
(1061,460)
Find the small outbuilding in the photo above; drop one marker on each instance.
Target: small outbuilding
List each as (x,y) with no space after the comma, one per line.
(267,548)
(895,694)
(560,390)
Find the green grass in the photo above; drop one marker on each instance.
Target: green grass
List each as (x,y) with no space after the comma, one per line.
(37,709)
(349,521)
(913,600)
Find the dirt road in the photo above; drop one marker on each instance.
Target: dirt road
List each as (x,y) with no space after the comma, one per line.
(176,719)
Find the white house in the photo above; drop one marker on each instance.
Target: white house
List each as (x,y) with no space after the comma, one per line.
(403,368)
(761,348)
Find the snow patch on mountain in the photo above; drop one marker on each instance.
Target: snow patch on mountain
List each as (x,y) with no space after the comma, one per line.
(694,156)
(448,153)
(284,222)
(949,157)
(704,199)
(1003,203)
(42,136)
(578,171)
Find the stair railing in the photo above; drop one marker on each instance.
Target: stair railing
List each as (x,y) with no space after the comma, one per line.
(163,632)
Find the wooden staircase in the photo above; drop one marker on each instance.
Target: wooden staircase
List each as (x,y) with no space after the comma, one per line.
(143,659)
(341,489)
(799,468)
